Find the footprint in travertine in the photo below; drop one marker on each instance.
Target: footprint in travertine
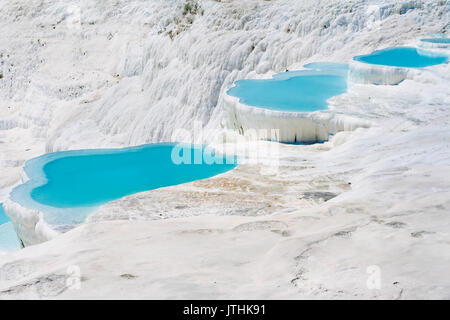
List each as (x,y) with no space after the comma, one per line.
(128,276)
(320,196)
(271,225)
(420,234)
(396,224)
(344,233)
(202,231)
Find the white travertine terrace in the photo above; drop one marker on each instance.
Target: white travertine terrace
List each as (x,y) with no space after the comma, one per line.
(291,127)
(134,71)
(365,73)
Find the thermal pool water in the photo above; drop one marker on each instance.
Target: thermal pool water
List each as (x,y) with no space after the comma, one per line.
(294,91)
(407,57)
(67,186)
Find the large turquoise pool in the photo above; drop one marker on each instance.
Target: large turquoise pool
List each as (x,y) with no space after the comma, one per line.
(403,57)
(67,186)
(296,91)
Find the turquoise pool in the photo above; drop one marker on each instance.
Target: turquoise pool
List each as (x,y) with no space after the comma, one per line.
(437,40)
(68,186)
(8,237)
(3,217)
(408,57)
(295,91)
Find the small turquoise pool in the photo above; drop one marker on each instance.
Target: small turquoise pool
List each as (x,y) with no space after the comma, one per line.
(408,57)
(296,91)
(436,40)
(68,186)
(8,237)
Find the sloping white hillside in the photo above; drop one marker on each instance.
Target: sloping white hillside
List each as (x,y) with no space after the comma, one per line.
(120,73)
